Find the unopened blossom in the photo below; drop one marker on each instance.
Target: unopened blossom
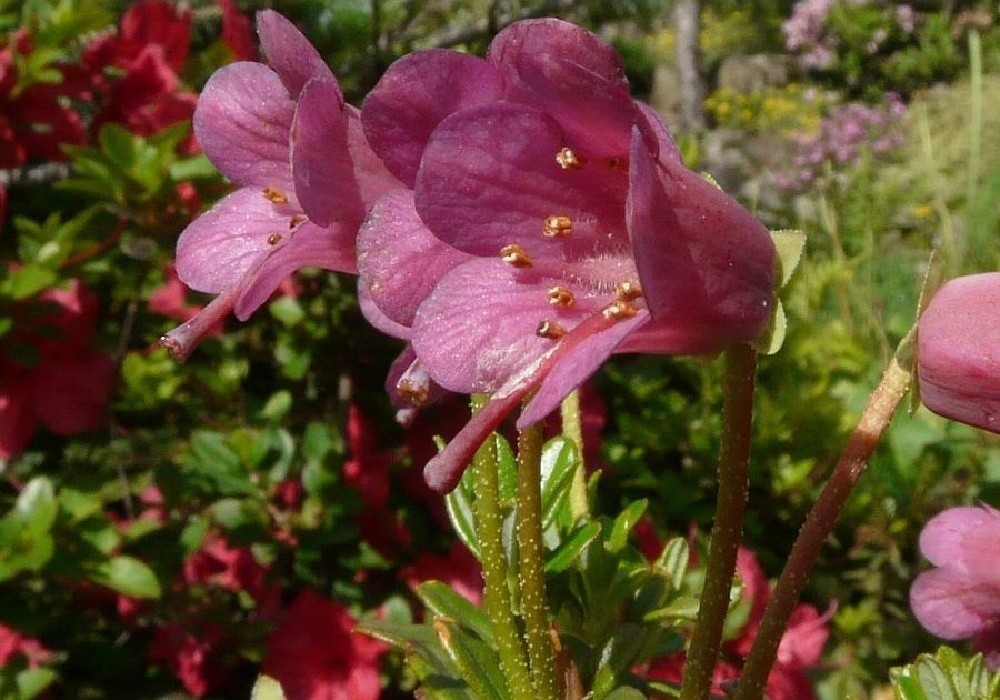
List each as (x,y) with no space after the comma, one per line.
(284,134)
(960,597)
(520,264)
(959,351)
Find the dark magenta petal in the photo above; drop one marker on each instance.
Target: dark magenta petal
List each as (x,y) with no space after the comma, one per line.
(219,247)
(415,95)
(399,260)
(309,245)
(959,351)
(574,76)
(242,122)
(575,365)
(289,53)
(657,136)
(478,328)
(321,162)
(479,192)
(372,178)
(706,265)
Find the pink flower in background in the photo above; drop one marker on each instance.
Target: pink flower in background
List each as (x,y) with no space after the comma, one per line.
(960,597)
(67,388)
(13,643)
(958,356)
(285,135)
(316,655)
(194,653)
(521,265)
(459,569)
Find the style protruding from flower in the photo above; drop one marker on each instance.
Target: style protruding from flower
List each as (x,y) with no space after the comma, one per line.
(960,597)
(959,351)
(531,259)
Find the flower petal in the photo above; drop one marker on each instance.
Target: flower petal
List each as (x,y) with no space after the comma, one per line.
(399,259)
(478,327)
(414,95)
(321,163)
(945,538)
(289,53)
(571,74)
(705,263)
(242,122)
(479,192)
(950,605)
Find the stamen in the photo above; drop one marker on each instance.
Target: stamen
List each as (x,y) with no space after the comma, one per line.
(274,195)
(274,238)
(515,255)
(414,393)
(561,297)
(296,220)
(550,330)
(567,159)
(557,227)
(628,291)
(619,311)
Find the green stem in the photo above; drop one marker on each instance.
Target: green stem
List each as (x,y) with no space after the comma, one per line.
(820,521)
(534,603)
(734,461)
(489,519)
(579,506)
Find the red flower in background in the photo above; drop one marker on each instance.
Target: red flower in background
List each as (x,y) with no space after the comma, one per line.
(67,389)
(316,655)
(192,652)
(13,643)
(459,569)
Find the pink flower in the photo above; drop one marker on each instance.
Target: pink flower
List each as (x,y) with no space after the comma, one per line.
(285,135)
(960,597)
(521,264)
(316,655)
(13,643)
(236,569)
(958,357)
(193,652)
(67,389)
(459,569)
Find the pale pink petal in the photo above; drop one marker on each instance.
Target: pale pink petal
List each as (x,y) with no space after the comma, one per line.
(706,265)
(372,177)
(399,259)
(289,53)
(374,315)
(802,644)
(959,351)
(951,605)
(943,539)
(414,95)
(479,193)
(478,327)
(242,122)
(219,247)
(321,163)
(571,74)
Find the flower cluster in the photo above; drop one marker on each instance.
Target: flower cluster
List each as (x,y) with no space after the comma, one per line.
(960,597)
(523,217)
(848,131)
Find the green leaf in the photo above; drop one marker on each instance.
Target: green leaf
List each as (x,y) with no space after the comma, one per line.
(240,513)
(623,525)
(33,681)
(443,601)
(461,512)
(266,688)
(129,576)
(27,282)
(771,342)
(559,463)
(478,662)
(789,246)
(944,676)
(673,561)
(571,547)
(507,468)
(196,168)
(37,505)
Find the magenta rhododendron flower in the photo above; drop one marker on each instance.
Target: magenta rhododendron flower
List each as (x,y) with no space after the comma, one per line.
(459,569)
(284,134)
(960,597)
(959,351)
(519,264)
(316,655)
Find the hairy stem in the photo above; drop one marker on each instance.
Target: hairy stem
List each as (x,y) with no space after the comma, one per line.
(734,461)
(534,603)
(852,463)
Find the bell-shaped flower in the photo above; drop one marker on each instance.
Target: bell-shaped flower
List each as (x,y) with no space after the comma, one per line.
(960,597)
(284,134)
(552,223)
(959,351)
